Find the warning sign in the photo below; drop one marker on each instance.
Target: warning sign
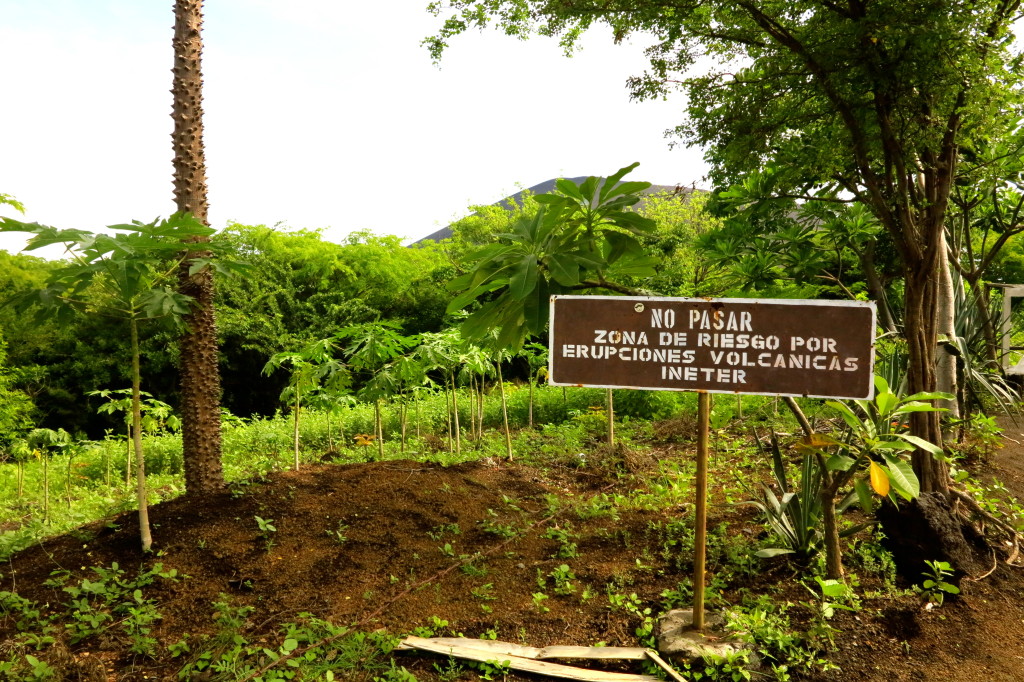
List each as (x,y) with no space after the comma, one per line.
(808,348)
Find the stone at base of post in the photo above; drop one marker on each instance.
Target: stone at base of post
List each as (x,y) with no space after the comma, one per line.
(679,641)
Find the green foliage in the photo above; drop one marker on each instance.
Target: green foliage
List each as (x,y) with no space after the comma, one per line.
(16,406)
(301,288)
(879,438)
(8,200)
(795,519)
(568,245)
(935,588)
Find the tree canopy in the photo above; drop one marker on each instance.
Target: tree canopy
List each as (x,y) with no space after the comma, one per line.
(873,101)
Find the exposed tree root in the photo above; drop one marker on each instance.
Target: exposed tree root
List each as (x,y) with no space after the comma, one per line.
(1013,538)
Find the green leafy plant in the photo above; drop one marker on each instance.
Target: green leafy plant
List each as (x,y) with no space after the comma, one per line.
(871,457)
(267,531)
(569,244)
(935,588)
(795,517)
(563,578)
(339,534)
(130,275)
(564,536)
(313,367)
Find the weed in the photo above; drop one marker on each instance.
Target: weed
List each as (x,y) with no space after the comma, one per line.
(935,588)
(435,626)
(484,592)
(632,605)
(444,529)
(491,525)
(473,570)
(267,530)
(538,601)
(563,577)
(339,534)
(564,536)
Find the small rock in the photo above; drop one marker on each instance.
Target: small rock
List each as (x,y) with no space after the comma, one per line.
(679,641)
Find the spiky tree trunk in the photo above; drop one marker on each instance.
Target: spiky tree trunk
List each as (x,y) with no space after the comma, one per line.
(200,374)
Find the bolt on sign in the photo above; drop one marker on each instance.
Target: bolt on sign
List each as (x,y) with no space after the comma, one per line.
(821,349)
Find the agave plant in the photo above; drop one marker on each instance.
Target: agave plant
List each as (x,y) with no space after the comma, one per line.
(795,517)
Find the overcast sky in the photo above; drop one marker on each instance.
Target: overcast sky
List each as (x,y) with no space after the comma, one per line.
(319,114)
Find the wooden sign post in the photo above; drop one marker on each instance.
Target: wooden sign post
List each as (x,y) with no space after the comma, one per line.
(808,348)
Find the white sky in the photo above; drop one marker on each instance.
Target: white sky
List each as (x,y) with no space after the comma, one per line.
(319,114)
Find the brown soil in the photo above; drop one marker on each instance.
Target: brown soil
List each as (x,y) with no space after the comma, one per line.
(393,569)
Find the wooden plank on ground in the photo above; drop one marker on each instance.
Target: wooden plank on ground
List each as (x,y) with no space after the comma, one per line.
(490,655)
(607,653)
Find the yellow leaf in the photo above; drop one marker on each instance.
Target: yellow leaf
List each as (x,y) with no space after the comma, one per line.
(879,480)
(816,441)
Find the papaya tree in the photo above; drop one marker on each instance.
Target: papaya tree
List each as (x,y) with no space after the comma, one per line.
(129,276)
(371,346)
(156,414)
(569,245)
(310,368)
(44,443)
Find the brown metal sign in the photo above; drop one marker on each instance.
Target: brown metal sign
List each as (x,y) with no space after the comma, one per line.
(821,349)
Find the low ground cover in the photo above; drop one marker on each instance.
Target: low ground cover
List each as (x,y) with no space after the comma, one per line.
(317,573)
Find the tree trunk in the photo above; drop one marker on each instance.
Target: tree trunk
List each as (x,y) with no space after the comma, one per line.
(529,418)
(455,410)
(380,428)
(875,287)
(611,418)
(140,462)
(920,325)
(504,414)
(830,532)
(402,413)
(199,370)
(945,360)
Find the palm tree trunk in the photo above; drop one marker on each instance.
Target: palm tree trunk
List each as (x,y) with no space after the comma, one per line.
(199,371)
(144,532)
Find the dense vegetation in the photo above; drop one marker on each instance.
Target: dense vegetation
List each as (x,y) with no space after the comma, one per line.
(867,150)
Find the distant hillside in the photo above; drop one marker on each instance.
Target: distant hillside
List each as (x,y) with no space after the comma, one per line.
(543,188)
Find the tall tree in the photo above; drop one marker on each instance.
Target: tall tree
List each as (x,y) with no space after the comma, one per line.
(200,373)
(871,98)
